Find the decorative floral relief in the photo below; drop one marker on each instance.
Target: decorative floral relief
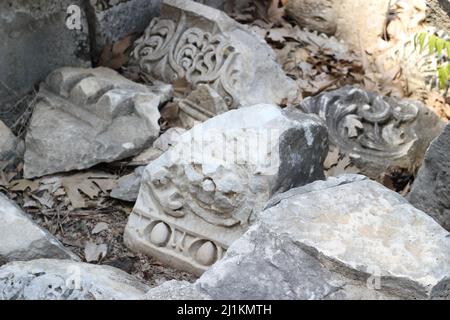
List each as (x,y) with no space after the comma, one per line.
(365,123)
(184,190)
(169,51)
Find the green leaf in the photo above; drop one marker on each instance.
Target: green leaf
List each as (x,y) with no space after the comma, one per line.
(432,43)
(422,38)
(443,75)
(447,46)
(440,44)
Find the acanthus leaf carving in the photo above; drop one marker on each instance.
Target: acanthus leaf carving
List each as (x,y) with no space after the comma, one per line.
(169,51)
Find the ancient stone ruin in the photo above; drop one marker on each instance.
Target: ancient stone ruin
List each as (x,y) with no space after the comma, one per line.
(377,133)
(205,46)
(216,150)
(202,194)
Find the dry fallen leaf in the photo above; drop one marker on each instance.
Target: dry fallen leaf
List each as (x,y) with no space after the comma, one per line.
(84,182)
(23,184)
(116,55)
(332,158)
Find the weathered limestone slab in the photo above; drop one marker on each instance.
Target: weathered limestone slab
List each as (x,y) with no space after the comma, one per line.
(89,116)
(35,40)
(204,46)
(345,238)
(377,133)
(201,195)
(431,190)
(361,229)
(48,279)
(22,239)
(119,20)
(267,265)
(11,148)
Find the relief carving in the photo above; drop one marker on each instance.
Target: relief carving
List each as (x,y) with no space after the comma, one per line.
(170,50)
(375,129)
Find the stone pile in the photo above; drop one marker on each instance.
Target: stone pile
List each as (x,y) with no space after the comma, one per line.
(310,243)
(236,194)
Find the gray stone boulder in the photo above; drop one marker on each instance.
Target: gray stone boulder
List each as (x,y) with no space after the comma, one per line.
(337,239)
(48,279)
(89,116)
(379,134)
(22,239)
(38,36)
(265,265)
(431,189)
(203,193)
(205,46)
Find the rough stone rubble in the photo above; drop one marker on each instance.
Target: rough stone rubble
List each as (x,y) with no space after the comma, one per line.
(234,192)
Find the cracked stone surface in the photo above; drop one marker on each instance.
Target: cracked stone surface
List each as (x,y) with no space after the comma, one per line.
(363,228)
(22,239)
(89,116)
(49,279)
(201,194)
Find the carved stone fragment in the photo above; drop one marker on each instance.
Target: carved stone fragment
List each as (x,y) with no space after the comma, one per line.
(201,195)
(88,116)
(205,46)
(376,132)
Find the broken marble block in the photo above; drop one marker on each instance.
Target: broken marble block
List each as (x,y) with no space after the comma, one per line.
(377,133)
(202,45)
(431,189)
(11,148)
(345,238)
(201,195)
(266,265)
(89,116)
(48,279)
(364,231)
(22,239)
(37,37)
